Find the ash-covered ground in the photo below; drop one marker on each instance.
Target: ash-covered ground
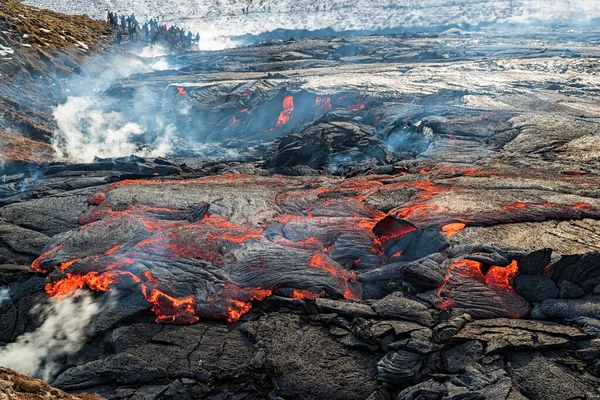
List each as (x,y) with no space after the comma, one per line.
(376,217)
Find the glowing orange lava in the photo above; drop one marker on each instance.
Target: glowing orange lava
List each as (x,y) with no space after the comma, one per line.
(502,277)
(453,228)
(304,294)
(323,105)
(169,308)
(288,111)
(357,105)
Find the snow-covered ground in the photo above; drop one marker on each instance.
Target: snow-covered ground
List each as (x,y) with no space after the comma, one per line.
(218,20)
(6,51)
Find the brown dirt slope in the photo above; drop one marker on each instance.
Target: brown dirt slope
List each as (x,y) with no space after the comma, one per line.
(38,49)
(15,147)
(16,386)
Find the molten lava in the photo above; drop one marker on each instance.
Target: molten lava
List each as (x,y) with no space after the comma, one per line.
(322,105)
(287,112)
(310,233)
(466,275)
(305,294)
(166,307)
(453,228)
(357,105)
(502,277)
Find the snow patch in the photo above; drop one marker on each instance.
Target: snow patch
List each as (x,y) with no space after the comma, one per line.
(6,51)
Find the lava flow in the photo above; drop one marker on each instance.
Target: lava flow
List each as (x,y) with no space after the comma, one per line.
(466,288)
(290,237)
(287,112)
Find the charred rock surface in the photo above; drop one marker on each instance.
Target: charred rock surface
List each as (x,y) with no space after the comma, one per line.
(429,235)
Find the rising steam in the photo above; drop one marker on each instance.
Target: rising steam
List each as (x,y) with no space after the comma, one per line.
(63,332)
(85,132)
(4,296)
(85,129)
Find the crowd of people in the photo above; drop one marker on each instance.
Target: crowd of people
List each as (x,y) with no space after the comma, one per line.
(173,36)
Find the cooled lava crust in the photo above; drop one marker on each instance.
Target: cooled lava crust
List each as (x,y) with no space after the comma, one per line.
(402,217)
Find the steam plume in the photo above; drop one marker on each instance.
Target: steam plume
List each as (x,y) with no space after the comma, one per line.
(4,295)
(62,333)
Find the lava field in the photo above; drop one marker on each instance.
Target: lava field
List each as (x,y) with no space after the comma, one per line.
(380,217)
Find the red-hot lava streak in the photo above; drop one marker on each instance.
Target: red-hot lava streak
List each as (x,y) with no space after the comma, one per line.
(497,279)
(453,228)
(287,112)
(323,105)
(329,209)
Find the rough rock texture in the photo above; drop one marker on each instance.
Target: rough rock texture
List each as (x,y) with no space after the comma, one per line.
(402,217)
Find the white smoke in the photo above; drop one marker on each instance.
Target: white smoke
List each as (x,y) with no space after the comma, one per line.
(570,12)
(4,295)
(85,132)
(156,56)
(153,51)
(63,332)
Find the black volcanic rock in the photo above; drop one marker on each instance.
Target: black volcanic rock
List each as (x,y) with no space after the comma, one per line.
(430,219)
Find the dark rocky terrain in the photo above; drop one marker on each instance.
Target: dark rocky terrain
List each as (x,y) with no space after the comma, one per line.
(410,217)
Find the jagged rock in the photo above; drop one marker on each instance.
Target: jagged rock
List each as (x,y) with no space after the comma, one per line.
(503,334)
(582,270)
(589,349)
(19,245)
(535,289)
(590,326)
(416,276)
(325,371)
(563,308)
(534,263)
(445,330)
(420,341)
(395,327)
(479,376)
(399,367)
(396,306)
(428,390)
(569,290)
(462,356)
(540,377)
(348,308)
(117,368)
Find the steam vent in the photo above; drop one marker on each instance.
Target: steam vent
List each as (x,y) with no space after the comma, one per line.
(335,200)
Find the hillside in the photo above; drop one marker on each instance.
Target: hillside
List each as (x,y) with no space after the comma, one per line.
(39,49)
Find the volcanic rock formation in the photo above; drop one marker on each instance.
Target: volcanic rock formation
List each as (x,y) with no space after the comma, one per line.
(376,217)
